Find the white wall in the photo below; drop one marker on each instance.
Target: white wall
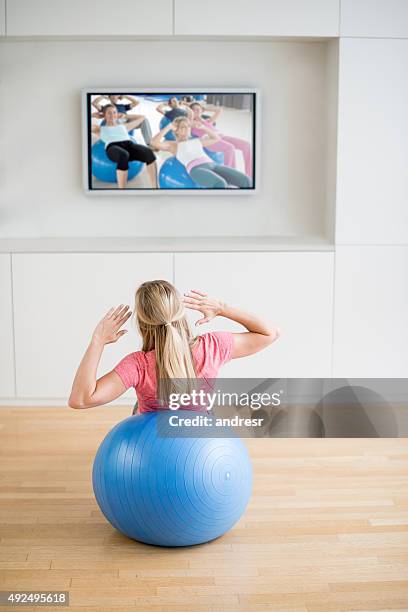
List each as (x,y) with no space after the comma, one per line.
(2,17)
(371,269)
(59,299)
(332,76)
(42,194)
(372,180)
(370,320)
(292,290)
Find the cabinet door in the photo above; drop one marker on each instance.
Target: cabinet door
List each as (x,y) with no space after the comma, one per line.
(386,18)
(89,17)
(372,179)
(258,17)
(58,300)
(6,330)
(293,290)
(371,306)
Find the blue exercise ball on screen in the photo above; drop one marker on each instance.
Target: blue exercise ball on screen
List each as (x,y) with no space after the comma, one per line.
(216,156)
(170,491)
(163,122)
(105,170)
(173,175)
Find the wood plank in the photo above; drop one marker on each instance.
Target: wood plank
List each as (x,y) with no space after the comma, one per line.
(326,528)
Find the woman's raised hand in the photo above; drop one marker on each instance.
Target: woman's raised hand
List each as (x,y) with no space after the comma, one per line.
(108,329)
(209,307)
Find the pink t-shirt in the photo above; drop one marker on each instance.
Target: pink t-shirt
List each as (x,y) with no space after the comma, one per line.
(138,370)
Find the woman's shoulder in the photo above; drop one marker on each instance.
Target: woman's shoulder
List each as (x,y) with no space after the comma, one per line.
(214,336)
(133,367)
(138,358)
(216,345)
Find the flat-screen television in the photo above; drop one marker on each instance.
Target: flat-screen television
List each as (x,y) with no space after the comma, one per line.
(161,141)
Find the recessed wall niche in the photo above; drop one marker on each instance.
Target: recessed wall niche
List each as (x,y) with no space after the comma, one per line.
(298,85)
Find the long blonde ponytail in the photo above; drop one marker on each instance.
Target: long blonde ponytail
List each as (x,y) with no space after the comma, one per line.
(163,326)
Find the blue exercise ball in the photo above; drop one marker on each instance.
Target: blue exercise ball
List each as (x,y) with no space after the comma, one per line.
(170,491)
(163,122)
(173,175)
(105,170)
(216,156)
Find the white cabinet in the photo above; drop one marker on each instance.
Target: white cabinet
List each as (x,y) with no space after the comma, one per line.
(372,192)
(370,316)
(89,17)
(6,329)
(386,18)
(58,300)
(293,290)
(258,17)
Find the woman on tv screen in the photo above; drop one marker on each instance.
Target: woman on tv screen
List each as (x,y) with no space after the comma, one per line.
(121,149)
(191,154)
(166,141)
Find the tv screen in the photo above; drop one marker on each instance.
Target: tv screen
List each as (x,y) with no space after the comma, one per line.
(159,141)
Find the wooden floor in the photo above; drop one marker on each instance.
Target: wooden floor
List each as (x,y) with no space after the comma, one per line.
(327,527)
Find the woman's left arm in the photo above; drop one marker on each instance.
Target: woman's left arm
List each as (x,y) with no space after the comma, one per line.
(87,391)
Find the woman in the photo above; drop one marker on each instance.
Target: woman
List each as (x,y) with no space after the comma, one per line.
(169,352)
(226,144)
(121,149)
(123,109)
(190,152)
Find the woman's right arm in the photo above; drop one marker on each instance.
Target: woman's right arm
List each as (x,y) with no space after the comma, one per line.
(260,333)
(88,391)
(157,142)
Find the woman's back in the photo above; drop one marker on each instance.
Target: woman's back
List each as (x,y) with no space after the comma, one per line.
(169,353)
(138,370)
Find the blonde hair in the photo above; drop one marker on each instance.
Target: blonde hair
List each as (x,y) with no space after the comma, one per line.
(164,328)
(178,120)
